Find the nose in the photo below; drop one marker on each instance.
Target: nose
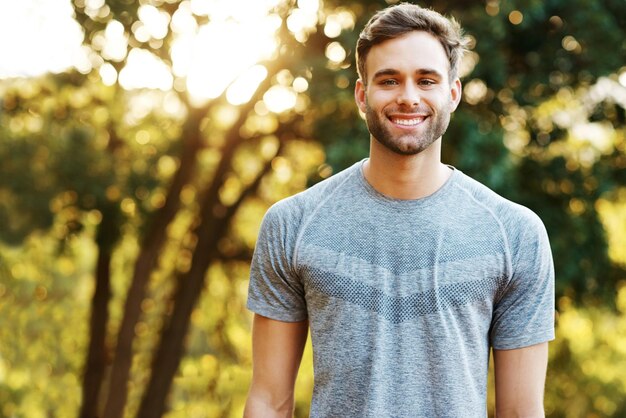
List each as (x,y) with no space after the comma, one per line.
(409,95)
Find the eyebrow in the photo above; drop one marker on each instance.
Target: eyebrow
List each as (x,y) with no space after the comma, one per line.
(384,72)
(421,71)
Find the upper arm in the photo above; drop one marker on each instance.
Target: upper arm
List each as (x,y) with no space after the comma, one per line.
(276,353)
(520,378)
(524,307)
(275,289)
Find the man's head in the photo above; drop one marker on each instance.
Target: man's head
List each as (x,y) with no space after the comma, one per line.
(403,18)
(408,60)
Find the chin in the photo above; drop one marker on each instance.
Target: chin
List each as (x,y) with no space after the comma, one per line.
(406,148)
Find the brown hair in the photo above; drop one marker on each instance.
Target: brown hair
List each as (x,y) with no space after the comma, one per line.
(395,21)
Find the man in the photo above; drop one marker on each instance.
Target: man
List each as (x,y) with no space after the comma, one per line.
(406,270)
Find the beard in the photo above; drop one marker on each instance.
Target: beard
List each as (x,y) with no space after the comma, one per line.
(408,143)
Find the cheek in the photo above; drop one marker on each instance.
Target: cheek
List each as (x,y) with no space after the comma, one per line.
(380,99)
(437,99)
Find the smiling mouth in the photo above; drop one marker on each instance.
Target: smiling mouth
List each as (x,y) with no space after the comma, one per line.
(408,122)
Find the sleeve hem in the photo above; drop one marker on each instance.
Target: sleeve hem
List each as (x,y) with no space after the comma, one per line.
(276,314)
(515,343)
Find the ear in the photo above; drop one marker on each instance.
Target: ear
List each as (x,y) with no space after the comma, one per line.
(359,96)
(456,91)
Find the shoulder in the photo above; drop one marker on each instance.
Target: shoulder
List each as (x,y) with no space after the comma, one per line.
(294,211)
(305,203)
(503,209)
(517,221)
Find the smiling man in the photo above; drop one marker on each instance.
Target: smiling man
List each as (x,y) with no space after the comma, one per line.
(407,272)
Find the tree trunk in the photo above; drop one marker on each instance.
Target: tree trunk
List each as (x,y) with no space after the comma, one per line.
(170,349)
(211,229)
(147,259)
(145,263)
(96,355)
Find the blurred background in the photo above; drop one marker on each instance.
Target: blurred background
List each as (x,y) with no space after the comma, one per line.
(142,141)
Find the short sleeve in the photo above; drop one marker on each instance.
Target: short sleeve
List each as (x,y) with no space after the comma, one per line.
(524,313)
(275,291)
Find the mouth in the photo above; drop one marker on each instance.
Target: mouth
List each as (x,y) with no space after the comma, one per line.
(408,120)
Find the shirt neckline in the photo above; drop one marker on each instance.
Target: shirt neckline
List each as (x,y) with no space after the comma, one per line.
(405,204)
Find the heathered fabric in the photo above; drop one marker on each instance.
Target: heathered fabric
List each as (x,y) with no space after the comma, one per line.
(404,297)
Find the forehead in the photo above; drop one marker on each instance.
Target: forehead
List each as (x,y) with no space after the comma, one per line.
(408,53)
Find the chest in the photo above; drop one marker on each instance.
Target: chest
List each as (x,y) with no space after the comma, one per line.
(400,269)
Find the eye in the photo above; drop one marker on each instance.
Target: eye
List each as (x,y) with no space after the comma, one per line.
(389,82)
(427,82)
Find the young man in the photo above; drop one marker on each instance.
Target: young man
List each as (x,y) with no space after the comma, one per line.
(406,270)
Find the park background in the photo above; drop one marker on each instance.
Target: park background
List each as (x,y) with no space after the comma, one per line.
(141,143)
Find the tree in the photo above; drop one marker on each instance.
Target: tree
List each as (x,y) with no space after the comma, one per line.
(125,186)
(213,220)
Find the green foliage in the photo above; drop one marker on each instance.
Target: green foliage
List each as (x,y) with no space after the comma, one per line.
(586,376)
(25,198)
(45,297)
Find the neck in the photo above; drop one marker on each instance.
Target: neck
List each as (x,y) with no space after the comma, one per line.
(406,177)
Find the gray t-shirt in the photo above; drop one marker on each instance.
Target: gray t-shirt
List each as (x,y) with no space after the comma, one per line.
(404,297)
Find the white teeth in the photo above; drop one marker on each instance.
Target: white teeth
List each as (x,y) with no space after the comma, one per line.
(408,122)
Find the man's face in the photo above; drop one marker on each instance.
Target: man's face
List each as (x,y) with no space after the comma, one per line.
(408,98)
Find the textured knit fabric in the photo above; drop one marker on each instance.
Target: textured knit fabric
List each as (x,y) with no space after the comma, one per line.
(404,297)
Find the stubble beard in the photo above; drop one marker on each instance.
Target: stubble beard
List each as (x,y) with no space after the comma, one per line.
(407,144)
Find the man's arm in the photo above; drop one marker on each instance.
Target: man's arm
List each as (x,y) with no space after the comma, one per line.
(520,376)
(276,353)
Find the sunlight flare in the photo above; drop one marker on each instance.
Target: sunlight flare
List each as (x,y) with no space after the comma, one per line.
(38,37)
